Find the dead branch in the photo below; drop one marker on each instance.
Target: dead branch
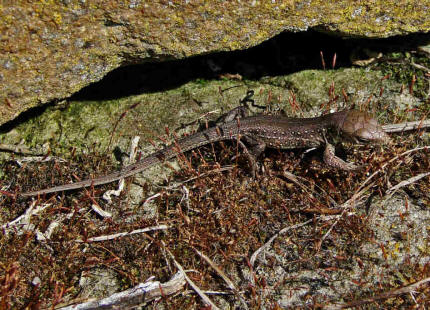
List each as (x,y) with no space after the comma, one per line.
(390,161)
(22,222)
(223,276)
(122,234)
(268,243)
(389,294)
(138,295)
(202,295)
(409,181)
(406,126)
(18,149)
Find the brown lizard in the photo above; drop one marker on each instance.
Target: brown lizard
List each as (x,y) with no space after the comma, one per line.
(259,132)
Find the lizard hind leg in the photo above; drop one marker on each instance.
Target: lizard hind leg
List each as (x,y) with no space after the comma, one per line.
(252,153)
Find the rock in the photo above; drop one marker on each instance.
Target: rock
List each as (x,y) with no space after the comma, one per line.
(52,49)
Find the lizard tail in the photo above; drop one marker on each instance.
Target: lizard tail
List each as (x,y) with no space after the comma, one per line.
(181,146)
(111,177)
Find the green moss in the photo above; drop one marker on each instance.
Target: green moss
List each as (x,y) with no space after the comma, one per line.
(311,86)
(81,124)
(401,68)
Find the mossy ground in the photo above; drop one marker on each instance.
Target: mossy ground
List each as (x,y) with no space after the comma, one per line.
(226,214)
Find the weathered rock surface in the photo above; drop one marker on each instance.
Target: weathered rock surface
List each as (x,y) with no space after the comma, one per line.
(51,49)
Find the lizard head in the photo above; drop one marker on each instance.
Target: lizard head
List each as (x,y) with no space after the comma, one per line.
(362,126)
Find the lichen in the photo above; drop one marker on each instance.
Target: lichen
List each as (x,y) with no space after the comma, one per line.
(117,34)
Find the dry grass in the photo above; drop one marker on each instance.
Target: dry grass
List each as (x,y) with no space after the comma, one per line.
(226,216)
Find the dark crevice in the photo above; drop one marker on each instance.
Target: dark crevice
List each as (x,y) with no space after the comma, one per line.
(25,116)
(284,54)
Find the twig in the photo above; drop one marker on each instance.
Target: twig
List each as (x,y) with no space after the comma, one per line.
(223,276)
(18,149)
(97,209)
(296,179)
(217,269)
(118,235)
(147,200)
(132,159)
(350,202)
(268,243)
(23,221)
(421,67)
(406,126)
(390,161)
(209,292)
(49,231)
(202,295)
(140,294)
(407,182)
(38,159)
(390,294)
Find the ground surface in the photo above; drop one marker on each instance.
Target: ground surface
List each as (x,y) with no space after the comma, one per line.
(354,239)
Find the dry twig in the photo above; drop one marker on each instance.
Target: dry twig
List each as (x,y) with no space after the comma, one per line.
(223,276)
(268,243)
(390,294)
(140,294)
(202,295)
(297,180)
(18,149)
(406,126)
(357,197)
(390,161)
(39,159)
(23,221)
(122,234)
(409,181)
(132,159)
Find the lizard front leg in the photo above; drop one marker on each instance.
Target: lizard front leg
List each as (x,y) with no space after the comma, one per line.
(238,112)
(332,160)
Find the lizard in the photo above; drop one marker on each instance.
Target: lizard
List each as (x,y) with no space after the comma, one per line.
(260,132)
